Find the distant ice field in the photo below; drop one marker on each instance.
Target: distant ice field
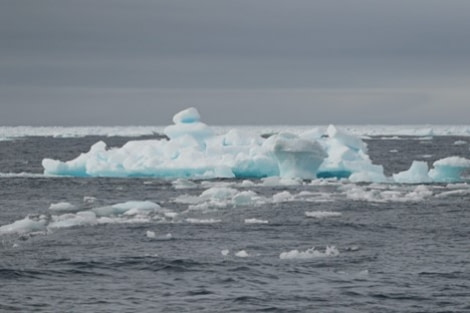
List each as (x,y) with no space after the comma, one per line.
(7,132)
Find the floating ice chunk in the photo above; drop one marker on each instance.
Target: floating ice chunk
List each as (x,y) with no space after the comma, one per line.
(181,183)
(63,207)
(225,252)
(128,208)
(220,197)
(322,214)
(242,254)
(89,199)
(417,173)
(309,253)
(247,183)
(452,193)
(170,214)
(70,220)
(245,198)
(27,225)
(283,196)
(419,193)
(460,142)
(255,221)
(219,193)
(449,169)
(298,157)
(150,234)
(202,221)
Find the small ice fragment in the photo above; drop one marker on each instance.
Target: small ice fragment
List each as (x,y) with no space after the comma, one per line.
(202,221)
(309,253)
(62,207)
(282,196)
(255,221)
(170,214)
(83,218)
(150,234)
(182,183)
(225,252)
(247,183)
(460,142)
(242,254)
(322,214)
(352,248)
(88,199)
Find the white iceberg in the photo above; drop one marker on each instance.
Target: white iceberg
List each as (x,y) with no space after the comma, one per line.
(195,150)
(449,169)
(417,173)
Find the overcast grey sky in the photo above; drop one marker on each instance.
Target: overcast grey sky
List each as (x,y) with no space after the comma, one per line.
(122,62)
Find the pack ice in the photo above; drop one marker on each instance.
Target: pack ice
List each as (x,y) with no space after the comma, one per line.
(194,150)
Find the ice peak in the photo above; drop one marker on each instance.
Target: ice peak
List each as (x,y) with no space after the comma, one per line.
(187,116)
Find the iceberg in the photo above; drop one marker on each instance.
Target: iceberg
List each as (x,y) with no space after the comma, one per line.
(193,149)
(417,173)
(449,169)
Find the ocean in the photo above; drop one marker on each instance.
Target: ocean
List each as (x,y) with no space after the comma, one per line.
(97,244)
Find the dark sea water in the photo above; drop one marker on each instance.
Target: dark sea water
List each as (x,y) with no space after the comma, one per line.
(397,248)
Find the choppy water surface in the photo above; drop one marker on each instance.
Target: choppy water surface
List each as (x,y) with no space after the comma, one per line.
(233,245)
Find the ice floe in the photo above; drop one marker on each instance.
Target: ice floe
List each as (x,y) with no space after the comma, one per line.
(371,194)
(203,220)
(242,254)
(322,214)
(220,197)
(27,225)
(255,221)
(60,217)
(330,251)
(63,207)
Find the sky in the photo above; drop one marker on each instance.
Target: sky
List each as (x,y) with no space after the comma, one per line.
(239,62)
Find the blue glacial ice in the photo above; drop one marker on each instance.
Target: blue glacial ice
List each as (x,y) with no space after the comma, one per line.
(194,150)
